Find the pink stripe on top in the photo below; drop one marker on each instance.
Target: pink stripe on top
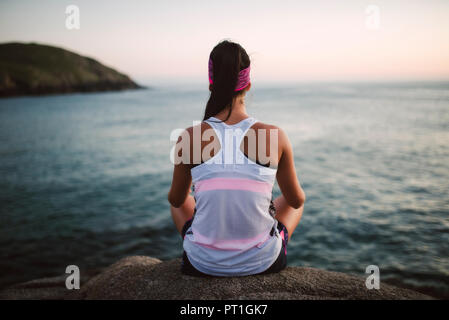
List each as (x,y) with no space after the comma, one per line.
(233,184)
(236,244)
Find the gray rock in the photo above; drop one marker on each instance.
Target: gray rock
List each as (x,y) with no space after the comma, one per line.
(139,277)
(148,278)
(41,289)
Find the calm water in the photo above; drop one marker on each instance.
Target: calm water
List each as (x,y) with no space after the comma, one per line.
(84,177)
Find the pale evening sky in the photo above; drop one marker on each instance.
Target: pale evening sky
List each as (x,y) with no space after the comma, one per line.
(287,40)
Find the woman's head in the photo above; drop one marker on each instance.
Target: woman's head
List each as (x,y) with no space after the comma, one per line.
(226,61)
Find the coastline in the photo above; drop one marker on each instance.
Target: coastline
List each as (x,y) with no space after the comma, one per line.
(38,69)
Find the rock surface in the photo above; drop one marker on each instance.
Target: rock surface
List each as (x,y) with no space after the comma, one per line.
(139,277)
(40,289)
(148,278)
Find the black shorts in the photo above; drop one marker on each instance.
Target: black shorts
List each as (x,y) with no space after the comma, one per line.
(278,265)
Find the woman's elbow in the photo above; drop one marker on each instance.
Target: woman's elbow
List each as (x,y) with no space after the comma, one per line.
(174,201)
(299,200)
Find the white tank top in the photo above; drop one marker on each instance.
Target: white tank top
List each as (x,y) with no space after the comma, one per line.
(232,233)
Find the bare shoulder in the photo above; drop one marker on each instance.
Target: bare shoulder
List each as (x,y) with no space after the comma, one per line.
(263,125)
(270,141)
(201,127)
(193,140)
(270,128)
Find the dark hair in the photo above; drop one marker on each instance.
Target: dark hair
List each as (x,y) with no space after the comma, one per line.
(228,58)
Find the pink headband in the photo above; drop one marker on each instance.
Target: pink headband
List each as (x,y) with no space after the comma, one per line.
(242,82)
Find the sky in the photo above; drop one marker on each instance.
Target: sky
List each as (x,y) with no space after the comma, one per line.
(164,41)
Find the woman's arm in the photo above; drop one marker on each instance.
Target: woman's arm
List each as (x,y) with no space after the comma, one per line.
(182,179)
(286,174)
(180,186)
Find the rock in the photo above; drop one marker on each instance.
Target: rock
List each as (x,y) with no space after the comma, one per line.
(140,277)
(40,289)
(148,278)
(125,278)
(53,288)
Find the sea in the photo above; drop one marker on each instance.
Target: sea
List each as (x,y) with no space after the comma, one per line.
(84,177)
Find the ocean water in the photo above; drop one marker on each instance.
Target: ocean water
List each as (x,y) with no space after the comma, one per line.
(84,177)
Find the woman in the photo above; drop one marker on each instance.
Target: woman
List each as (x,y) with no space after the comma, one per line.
(230,227)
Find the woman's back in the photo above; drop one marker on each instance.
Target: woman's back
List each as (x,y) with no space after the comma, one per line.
(231,226)
(232,231)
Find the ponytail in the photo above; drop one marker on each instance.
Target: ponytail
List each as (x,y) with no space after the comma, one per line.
(227,59)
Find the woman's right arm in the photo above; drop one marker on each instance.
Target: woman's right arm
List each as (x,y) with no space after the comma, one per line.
(286,174)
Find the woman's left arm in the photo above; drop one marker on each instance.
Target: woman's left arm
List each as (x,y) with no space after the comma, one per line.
(182,179)
(180,187)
